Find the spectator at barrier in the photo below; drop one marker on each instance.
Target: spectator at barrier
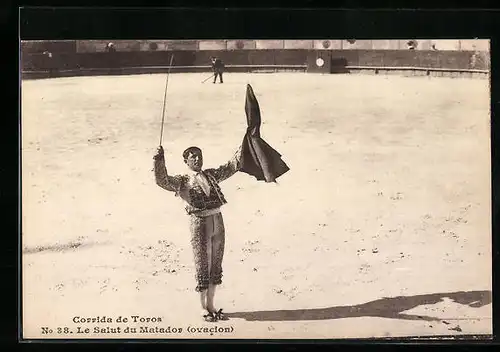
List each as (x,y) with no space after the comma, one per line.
(412,44)
(218,68)
(110,47)
(48,62)
(111,60)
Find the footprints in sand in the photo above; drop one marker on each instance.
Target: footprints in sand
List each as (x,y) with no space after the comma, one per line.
(397,196)
(59,287)
(101,285)
(460,217)
(380,193)
(96,140)
(364,268)
(251,247)
(290,293)
(104,285)
(138,283)
(287,275)
(248,248)
(161,258)
(448,226)
(396,258)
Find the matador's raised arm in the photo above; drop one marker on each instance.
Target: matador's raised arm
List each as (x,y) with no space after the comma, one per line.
(169,183)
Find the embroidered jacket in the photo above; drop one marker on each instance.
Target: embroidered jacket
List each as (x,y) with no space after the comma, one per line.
(186,187)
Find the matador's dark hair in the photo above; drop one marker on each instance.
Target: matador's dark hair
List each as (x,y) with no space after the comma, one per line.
(190,150)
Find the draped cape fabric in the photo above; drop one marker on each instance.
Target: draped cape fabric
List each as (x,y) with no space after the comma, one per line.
(258,158)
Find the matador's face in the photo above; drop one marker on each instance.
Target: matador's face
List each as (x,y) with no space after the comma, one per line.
(195,161)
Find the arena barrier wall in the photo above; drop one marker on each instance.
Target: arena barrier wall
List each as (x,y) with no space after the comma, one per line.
(67,63)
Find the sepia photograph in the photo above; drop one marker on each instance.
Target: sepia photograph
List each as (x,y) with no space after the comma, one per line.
(255,189)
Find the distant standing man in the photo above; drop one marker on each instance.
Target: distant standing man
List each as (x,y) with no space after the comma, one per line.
(200,190)
(218,68)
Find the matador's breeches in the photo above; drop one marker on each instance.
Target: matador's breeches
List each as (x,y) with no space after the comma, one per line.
(207,240)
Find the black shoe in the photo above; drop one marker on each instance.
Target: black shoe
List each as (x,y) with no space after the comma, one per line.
(210,317)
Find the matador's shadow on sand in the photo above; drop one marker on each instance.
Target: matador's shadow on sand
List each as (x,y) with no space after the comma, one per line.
(383,308)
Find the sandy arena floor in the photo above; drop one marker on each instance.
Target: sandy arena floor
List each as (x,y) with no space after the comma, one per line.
(381,228)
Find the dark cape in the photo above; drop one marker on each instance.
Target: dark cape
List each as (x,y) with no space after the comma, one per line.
(258,158)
